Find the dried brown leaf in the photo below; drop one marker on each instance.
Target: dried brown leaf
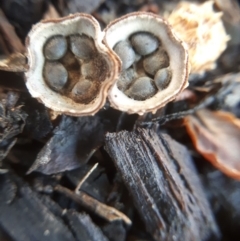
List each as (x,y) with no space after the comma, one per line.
(73,143)
(216,135)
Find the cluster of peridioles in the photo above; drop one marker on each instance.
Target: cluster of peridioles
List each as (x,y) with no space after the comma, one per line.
(137,62)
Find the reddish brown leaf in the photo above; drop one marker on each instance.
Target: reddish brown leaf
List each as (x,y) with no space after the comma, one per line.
(216,135)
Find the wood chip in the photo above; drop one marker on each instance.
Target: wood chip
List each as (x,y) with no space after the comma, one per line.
(23,215)
(163,183)
(84,228)
(73,143)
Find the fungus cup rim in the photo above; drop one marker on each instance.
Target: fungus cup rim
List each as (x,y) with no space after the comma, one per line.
(117,30)
(34,78)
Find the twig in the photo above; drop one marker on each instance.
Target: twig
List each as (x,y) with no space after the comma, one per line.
(108,213)
(179,115)
(85,178)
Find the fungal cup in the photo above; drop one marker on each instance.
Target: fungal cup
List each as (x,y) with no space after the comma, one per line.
(154,63)
(70,70)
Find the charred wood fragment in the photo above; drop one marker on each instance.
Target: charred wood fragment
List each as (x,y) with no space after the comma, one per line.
(23,14)
(83,227)
(73,143)
(96,185)
(224,195)
(10,38)
(12,121)
(75,6)
(115,231)
(164,185)
(38,123)
(24,217)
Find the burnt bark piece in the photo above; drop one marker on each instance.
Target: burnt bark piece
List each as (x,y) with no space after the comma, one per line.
(12,42)
(12,81)
(164,186)
(96,185)
(73,143)
(24,217)
(74,6)
(24,13)
(224,195)
(83,227)
(12,121)
(115,231)
(38,122)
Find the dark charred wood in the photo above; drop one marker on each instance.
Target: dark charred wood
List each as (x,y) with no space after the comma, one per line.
(164,185)
(224,195)
(24,217)
(154,193)
(12,81)
(4,236)
(73,143)
(24,13)
(230,59)
(12,121)
(38,217)
(11,41)
(74,6)
(38,122)
(83,227)
(115,231)
(97,185)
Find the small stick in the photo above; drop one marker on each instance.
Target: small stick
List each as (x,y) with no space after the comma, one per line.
(85,178)
(102,210)
(179,115)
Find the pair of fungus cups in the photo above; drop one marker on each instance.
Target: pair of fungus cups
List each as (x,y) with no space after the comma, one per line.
(137,62)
